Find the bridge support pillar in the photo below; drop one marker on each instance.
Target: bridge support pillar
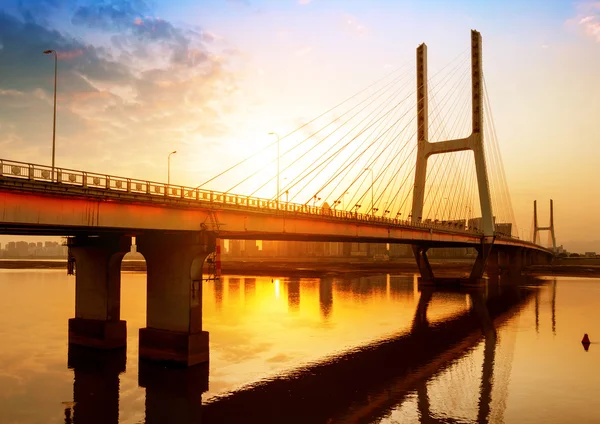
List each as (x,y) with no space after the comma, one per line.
(423,264)
(515,259)
(526,258)
(483,254)
(503,260)
(173,330)
(97,321)
(493,262)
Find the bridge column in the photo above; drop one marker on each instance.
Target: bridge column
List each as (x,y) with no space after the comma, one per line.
(526,257)
(503,260)
(493,262)
(97,321)
(483,254)
(173,330)
(515,259)
(423,264)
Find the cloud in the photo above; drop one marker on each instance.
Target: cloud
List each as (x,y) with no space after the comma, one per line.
(587,19)
(110,14)
(39,10)
(119,103)
(304,2)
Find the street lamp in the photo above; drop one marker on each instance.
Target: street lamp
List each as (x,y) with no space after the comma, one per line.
(372,204)
(277,135)
(169,167)
(54,124)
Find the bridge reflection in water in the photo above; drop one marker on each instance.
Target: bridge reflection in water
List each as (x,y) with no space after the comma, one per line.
(362,385)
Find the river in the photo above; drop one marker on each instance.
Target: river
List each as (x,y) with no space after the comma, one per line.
(314,350)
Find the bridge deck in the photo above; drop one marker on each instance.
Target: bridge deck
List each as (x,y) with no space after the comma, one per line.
(79,201)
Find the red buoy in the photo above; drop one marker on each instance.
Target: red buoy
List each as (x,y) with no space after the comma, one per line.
(586,339)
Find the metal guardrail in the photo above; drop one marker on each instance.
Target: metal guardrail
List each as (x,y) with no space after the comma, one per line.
(43,173)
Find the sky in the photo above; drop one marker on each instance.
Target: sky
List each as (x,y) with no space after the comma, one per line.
(210,79)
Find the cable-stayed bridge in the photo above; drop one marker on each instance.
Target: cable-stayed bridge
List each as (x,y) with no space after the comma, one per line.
(378,167)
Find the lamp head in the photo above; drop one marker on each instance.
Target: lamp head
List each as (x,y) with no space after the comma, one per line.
(48,51)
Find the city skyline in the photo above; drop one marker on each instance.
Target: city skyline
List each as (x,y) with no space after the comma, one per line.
(217,77)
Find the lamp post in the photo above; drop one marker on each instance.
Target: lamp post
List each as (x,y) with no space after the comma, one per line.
(169,167)
(372,204)
(277,135)
(54,122)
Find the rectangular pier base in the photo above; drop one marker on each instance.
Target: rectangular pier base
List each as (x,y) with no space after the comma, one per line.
(175,347)
(97,334)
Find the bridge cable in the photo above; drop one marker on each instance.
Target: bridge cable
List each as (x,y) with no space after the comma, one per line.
(309,122)
(293,183)
(432,177)
(365,193)
(375,96)
(435,108)
(370,163)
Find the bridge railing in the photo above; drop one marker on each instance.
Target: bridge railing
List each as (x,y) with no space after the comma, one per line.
(91,180)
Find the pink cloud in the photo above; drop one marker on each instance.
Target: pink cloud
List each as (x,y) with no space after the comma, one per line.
(70,54)
(587,19)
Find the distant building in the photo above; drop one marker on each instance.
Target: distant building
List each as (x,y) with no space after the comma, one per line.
(590,254)
(504,228)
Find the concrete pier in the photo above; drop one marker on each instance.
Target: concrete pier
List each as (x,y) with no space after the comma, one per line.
(173,330)
(97,321)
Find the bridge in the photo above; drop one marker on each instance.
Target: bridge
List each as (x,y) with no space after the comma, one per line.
(176,227)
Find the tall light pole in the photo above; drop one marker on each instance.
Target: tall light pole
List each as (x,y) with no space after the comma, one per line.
(372,204)
(54,124)
(169,167)
(277,135)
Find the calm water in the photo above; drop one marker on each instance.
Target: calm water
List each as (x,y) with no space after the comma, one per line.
(310,350)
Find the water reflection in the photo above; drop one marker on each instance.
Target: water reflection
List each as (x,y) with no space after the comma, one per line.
(173,395)
(359,385)
(234,287)
(293,288)
(249,290)
(374,349)
(553,307)
(95,385)
(218,285)
(325,297)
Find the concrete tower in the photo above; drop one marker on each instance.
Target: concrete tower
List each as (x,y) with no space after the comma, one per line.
(473,142)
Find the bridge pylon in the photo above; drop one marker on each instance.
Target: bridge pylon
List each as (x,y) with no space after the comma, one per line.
(473,142)
(537,229)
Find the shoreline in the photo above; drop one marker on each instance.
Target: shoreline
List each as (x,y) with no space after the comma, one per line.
(319,268)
